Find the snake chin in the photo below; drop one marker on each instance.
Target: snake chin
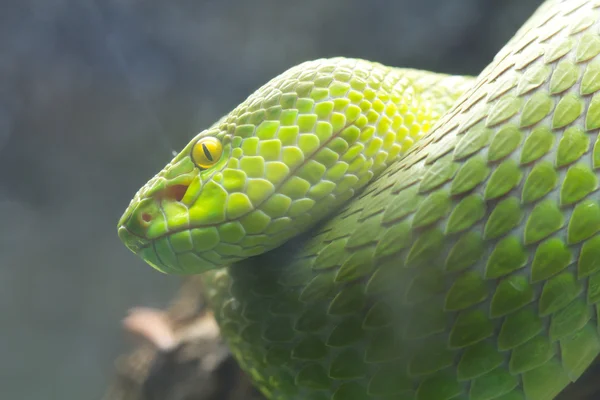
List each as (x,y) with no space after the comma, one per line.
(164,257)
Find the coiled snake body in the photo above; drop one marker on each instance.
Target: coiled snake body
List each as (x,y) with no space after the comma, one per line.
(368,232)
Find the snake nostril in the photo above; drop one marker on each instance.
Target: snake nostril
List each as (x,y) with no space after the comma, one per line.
(146,217)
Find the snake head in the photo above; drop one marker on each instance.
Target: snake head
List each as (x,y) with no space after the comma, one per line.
(175,216)
(289,155)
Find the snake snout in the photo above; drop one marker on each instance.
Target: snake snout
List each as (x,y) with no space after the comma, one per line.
(144,220)
(156,214)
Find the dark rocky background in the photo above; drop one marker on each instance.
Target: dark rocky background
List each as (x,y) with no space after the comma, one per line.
(94,95)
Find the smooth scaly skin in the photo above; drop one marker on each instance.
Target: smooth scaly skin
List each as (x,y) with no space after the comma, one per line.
(295,150)
(469,269)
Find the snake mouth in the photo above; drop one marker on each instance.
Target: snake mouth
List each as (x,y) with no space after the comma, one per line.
(133,242)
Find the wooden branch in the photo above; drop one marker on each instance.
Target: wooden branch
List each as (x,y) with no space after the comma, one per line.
(180,356)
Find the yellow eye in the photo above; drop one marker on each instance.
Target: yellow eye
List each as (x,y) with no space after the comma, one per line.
(207,151)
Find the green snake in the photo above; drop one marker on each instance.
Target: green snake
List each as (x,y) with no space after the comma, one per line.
(367,232)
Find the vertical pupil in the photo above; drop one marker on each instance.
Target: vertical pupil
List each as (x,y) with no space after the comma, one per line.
(206,152)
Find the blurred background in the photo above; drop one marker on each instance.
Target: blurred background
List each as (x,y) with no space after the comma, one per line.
(94,97)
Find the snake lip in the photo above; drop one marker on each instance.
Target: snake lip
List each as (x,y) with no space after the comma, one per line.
(132,241)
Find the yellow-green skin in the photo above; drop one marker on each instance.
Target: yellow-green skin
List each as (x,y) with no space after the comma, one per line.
(465,268)
(295,150)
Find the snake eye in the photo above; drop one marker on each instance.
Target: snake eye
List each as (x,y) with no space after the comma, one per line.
(207,151)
